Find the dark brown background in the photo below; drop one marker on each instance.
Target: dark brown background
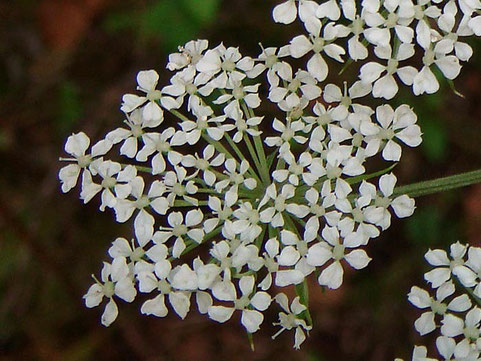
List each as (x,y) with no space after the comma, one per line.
(64,66)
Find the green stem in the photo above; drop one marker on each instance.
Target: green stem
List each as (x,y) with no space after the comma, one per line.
(302,290)
(179,115)
(180,203)
(240,155)
(255,158)
(264,172)
(440,184)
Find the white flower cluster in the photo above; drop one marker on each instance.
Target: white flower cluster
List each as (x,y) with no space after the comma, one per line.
(394,31)
(455,306)
(266,200)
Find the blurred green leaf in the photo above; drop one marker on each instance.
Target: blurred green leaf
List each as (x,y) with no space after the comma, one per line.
(167,21)
(10,254)
(435,140)
(315,356)
(70,107)
(425,227)
(119,21)
(203,11)
(172,22)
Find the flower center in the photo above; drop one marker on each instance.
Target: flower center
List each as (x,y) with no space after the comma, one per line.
(318,210)
(84,161)
(358,215)
(237,178)
(296,169)
(178,189)
(143,202)
(254,217)
(392,65)
(163,146)
(391,20)
(241,303)
(287,134)
(294,85)
(383,202)
(191,89)
(271,60)
(136,130)
(280,203)
(154,95)
(296,113)
(453,37)
(202,164)
(238,93)
(386,134)
(164,287)
(357,140)
(194,58)
(338,252)
(228,65)
(357,26)
(109,289)
(137,254)
(418,12)
(471,333)
(333,172)
(318,45)
(241,125)
(324,119)
(225,213)
(302,248)
(272,265)
(108,182)
(346,101)
(179,230)
(438,307)
(428,57)
(202,123)
(456,262)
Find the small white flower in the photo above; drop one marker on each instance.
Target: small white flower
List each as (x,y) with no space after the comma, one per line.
(147,83)
(251,319)
(180,229)
(188,55)
(333,249)
(291,318)
(116,280)
(444,266)
(394,124)
(421,299)
(76,145)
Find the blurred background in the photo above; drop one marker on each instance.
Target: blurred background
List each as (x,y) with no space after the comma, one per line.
(64,66)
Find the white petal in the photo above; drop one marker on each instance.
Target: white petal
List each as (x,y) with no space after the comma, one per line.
(358,258)
(148,79)
(261,301)
(252,319)
(285,13)
(318,254)
(155,306)
(220,313)
(332,276)
(180,303)
(425,324)
(110,313)
(144,227)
